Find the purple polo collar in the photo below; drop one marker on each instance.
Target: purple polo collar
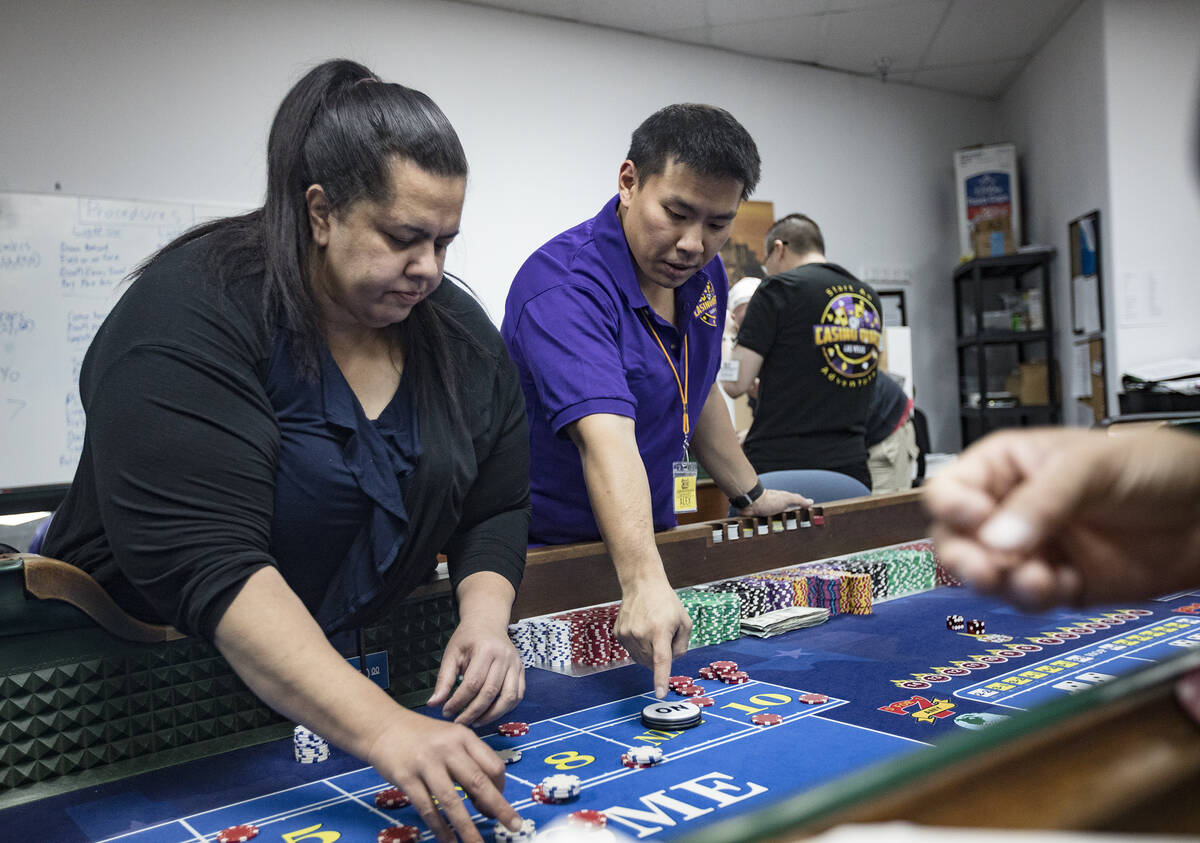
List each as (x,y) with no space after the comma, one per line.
(609,235)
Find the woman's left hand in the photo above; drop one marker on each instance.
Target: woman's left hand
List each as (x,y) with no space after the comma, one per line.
(493,678)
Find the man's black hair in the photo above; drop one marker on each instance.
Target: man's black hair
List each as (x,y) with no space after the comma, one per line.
(799,232)
(706,138)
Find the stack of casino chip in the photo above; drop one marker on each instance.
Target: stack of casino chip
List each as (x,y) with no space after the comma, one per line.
(779,591)
(391,798)
(542,642)
(726,671)
(556,642)
(590,635)
(944,577)
(521,635)
(310,748)
(799,588)
(909,571)
(399,834)
(754,598)
(715,615)
(514,729)
(726,587)
(856,594)
(641,757)
(557,788)
(587,819)
(941,575)
(876,569)
(581,638)
(916,570)
(825,590)
(527,832)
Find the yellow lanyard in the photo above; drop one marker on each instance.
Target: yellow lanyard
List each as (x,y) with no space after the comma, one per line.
(683,385)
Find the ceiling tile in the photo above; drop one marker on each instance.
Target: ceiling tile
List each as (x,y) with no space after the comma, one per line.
(978,31)
(857,40)
(859,5)
(567,9)
(790,39)
(649,17)
(741,11)
(981,80)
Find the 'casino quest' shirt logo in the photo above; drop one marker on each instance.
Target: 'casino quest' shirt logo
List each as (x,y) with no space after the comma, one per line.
(848,336)
(706,308)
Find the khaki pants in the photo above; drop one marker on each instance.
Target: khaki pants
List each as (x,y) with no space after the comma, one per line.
(891,461)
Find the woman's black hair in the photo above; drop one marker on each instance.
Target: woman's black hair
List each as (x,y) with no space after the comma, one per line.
(339,127)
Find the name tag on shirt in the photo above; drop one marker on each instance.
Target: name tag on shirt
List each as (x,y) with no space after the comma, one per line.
(685,474)
(729,370)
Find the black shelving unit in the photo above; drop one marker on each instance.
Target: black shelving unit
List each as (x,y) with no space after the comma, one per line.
(988,352)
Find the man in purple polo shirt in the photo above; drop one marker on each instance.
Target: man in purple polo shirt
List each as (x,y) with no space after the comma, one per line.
(615,326)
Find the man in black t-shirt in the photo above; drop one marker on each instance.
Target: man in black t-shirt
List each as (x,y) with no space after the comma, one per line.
(811,335)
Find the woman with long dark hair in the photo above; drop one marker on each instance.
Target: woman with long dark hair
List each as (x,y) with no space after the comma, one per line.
(292,412)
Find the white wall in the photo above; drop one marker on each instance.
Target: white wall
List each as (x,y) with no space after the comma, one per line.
(1153,101)
(1106,116)
(1055,113)
(168,99)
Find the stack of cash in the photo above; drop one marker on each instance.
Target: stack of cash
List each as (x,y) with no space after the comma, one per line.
(783,620)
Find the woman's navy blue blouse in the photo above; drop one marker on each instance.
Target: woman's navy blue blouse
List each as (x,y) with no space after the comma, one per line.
(339,517)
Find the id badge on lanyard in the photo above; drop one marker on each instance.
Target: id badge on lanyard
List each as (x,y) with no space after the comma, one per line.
(685,472)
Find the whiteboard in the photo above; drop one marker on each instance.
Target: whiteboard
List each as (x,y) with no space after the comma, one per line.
(62,263)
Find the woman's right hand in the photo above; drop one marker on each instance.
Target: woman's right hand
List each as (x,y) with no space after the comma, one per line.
(425,757)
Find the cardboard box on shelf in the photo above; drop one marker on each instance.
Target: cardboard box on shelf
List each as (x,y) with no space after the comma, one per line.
(1030,382)
(989,200)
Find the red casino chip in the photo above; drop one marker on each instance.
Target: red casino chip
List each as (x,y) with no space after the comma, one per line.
(237,833)
(540,796)
(723,667)
(737,677)
(766,720)
(680,680)
(707,672)
(690,691)
(593,819)
(399,834)
(393,797)
(703,702)
(628,762)
(513,730)
(813,699)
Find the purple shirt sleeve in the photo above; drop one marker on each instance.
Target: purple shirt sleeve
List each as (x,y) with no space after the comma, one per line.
(571,331)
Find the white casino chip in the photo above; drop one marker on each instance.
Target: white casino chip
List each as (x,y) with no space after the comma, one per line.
(646,754)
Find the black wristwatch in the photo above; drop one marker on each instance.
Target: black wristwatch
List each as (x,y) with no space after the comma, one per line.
(743,501)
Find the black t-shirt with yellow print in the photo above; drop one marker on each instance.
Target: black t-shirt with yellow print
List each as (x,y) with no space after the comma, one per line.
(819,330)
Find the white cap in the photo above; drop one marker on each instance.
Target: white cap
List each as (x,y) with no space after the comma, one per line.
(742,291)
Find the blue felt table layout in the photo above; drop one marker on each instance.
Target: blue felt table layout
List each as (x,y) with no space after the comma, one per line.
(897,681)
